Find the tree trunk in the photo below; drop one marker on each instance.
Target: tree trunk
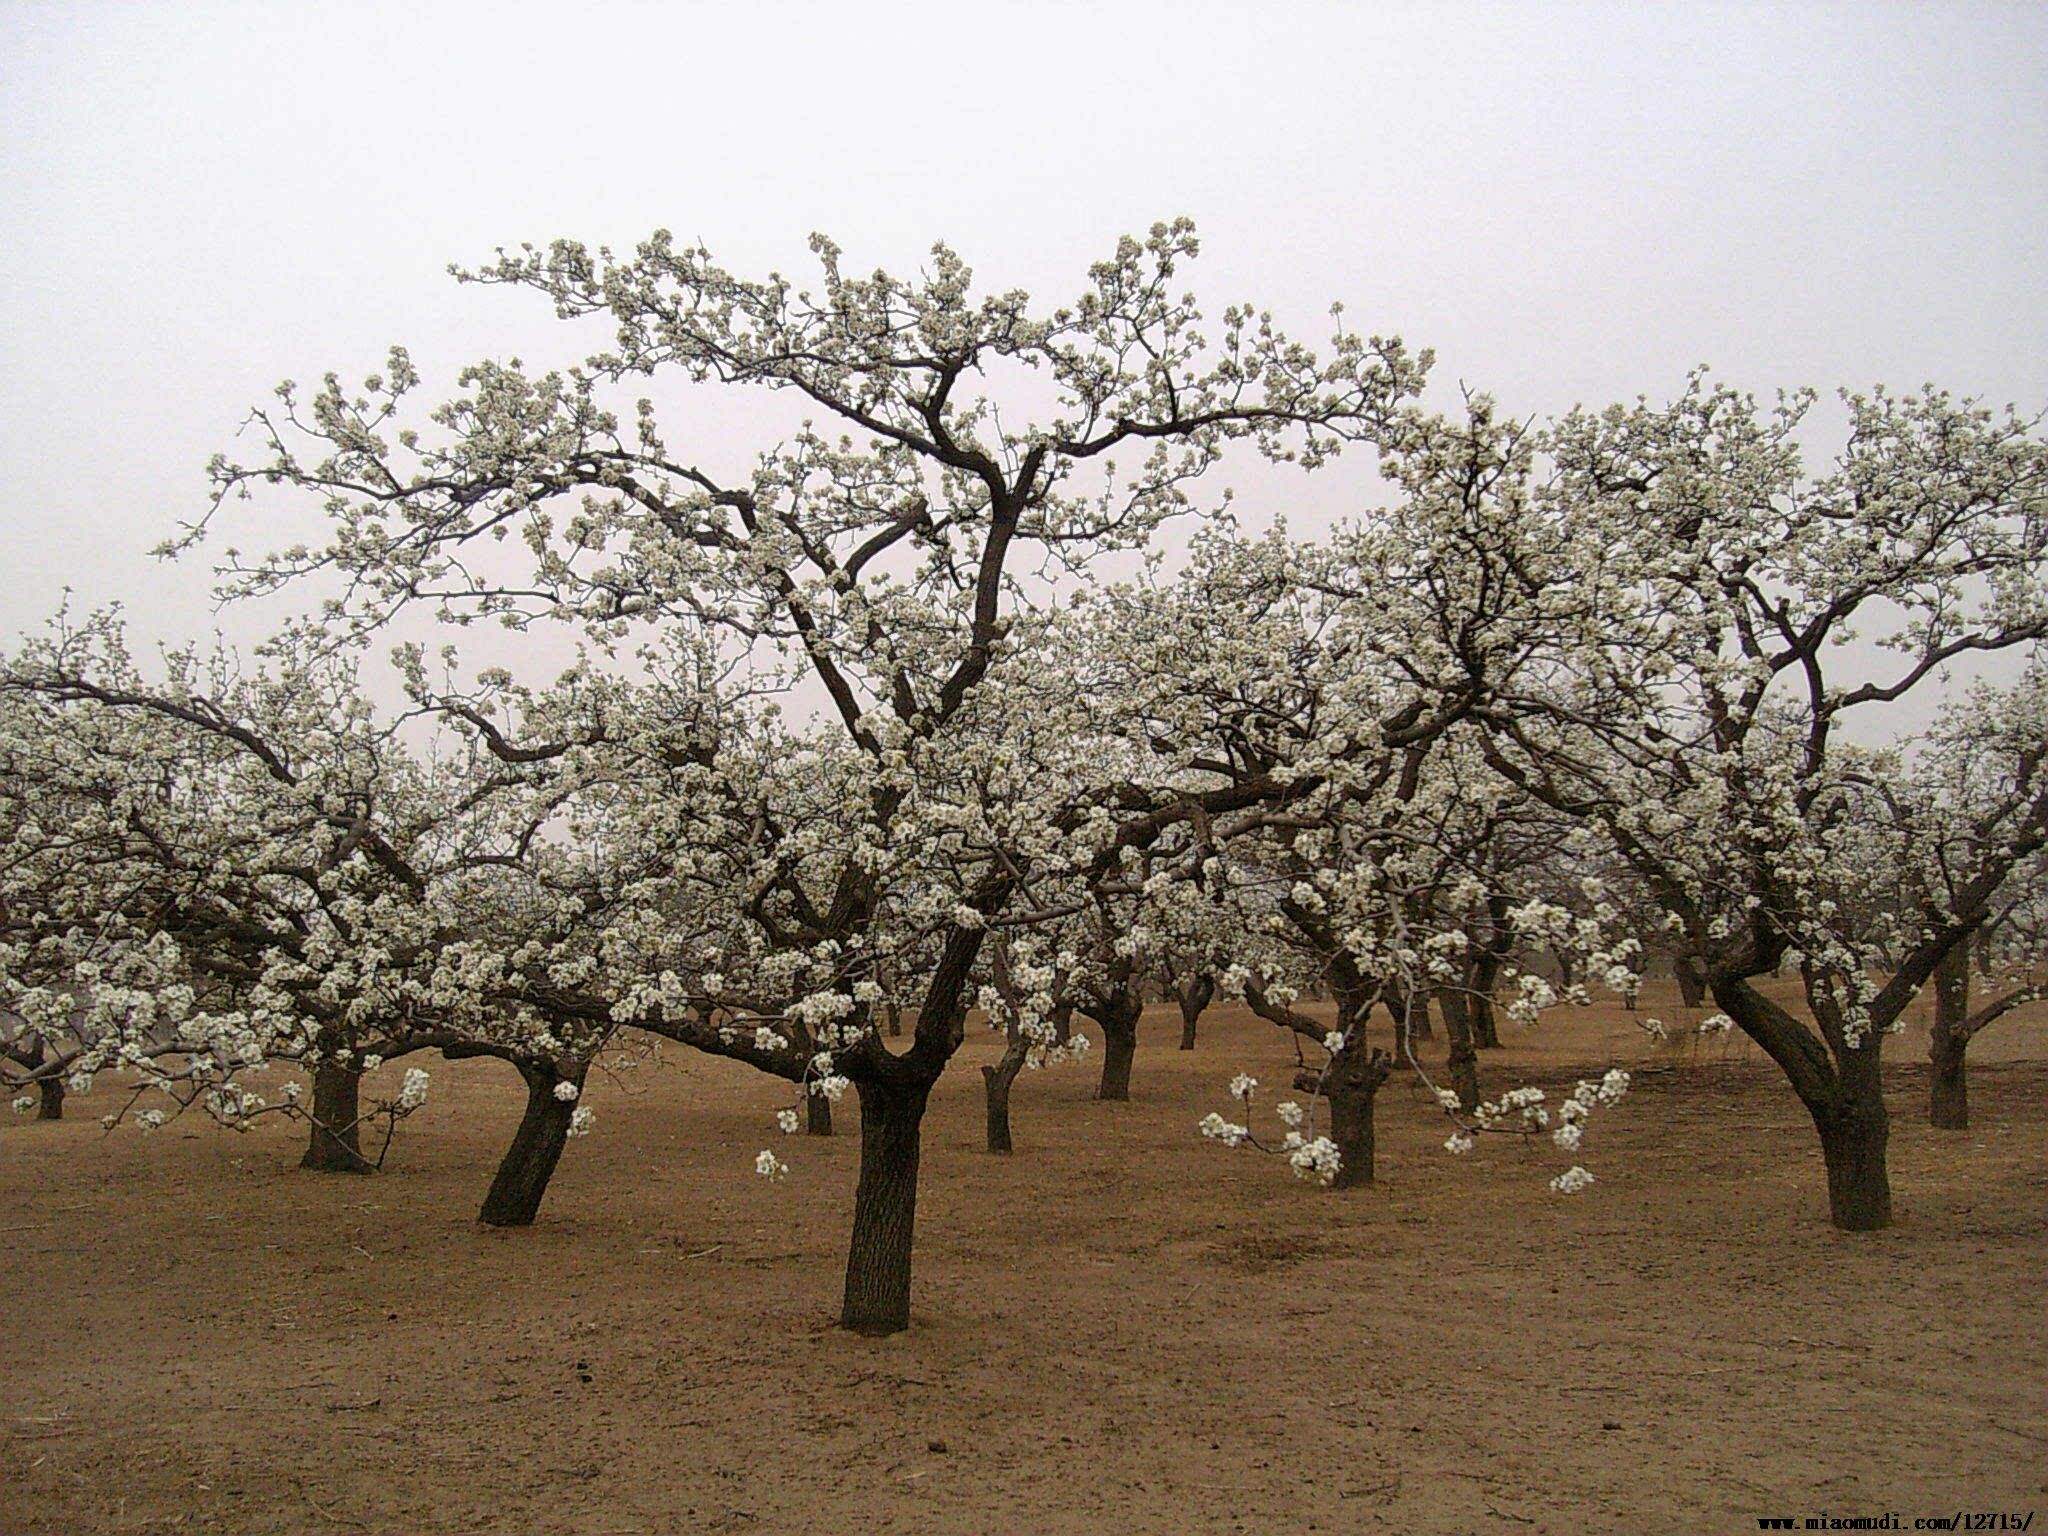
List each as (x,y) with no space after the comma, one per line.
(1859,1188)
(334,1144)
(1479,1004)
(1463,1061)
(895,1012)
(1193,997)
(1948,1105)
(1062,1023)
(997,1080)
(877,1299)
(817,1114)
(1692,987)
(1119,1046)
(522,1179)
(51,1091)
(1419,1025)
(1349,1089)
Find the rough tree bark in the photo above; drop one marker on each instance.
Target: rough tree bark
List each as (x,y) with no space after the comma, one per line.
(1462,1062)
(1948,1103)
(1853,1135)
(1843,1091)
(529,1163)
(997,1080)
(1119,1021)
(1193,996)
(50,1092)
(334,1144)
(1349,1087)
(1485,1025)
(817,1115)
(877,1297)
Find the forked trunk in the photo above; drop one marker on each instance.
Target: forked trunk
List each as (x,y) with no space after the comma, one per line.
(1844,1095)
(522,1179)
(51,1092)
(1062,1023)
(1948,1103)
(877,1299)
(997,1080)
(334,1145)
(817,1115)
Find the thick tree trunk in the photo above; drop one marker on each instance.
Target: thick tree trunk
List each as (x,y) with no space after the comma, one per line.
(1119,1046)
(877,1298)
(895,1012)
(51,1092)
(1843,1091)
(522,1178)
(1462,1063)
(1859,1189)
(1062,1023)
(1349,1090)
(1193,997)
(997,1080)
(334,1145)
(817,1115)
(1948,1104)
(1692,987)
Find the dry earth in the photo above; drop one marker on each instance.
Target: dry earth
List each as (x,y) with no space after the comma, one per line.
(1120,1328)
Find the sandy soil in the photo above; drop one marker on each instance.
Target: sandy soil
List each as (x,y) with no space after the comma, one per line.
(1120,1328)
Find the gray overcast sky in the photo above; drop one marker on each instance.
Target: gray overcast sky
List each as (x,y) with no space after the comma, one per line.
(1568,203)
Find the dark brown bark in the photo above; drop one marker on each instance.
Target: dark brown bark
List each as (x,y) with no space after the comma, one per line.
(1119,1048)
(1486,968)
(1062,1023)
(817,1115)
(1842,1089)
(1948,1104)
(51,1093)
(1692,987)
(877,1296)
(1193,996)
(529,1163)
(1479,1012)
(1349,1088)
(1462,1062)
(997,1080)
(334,1144)
(1859,1189)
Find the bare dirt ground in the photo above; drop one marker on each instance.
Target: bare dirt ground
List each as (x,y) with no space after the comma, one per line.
(1121,1328)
